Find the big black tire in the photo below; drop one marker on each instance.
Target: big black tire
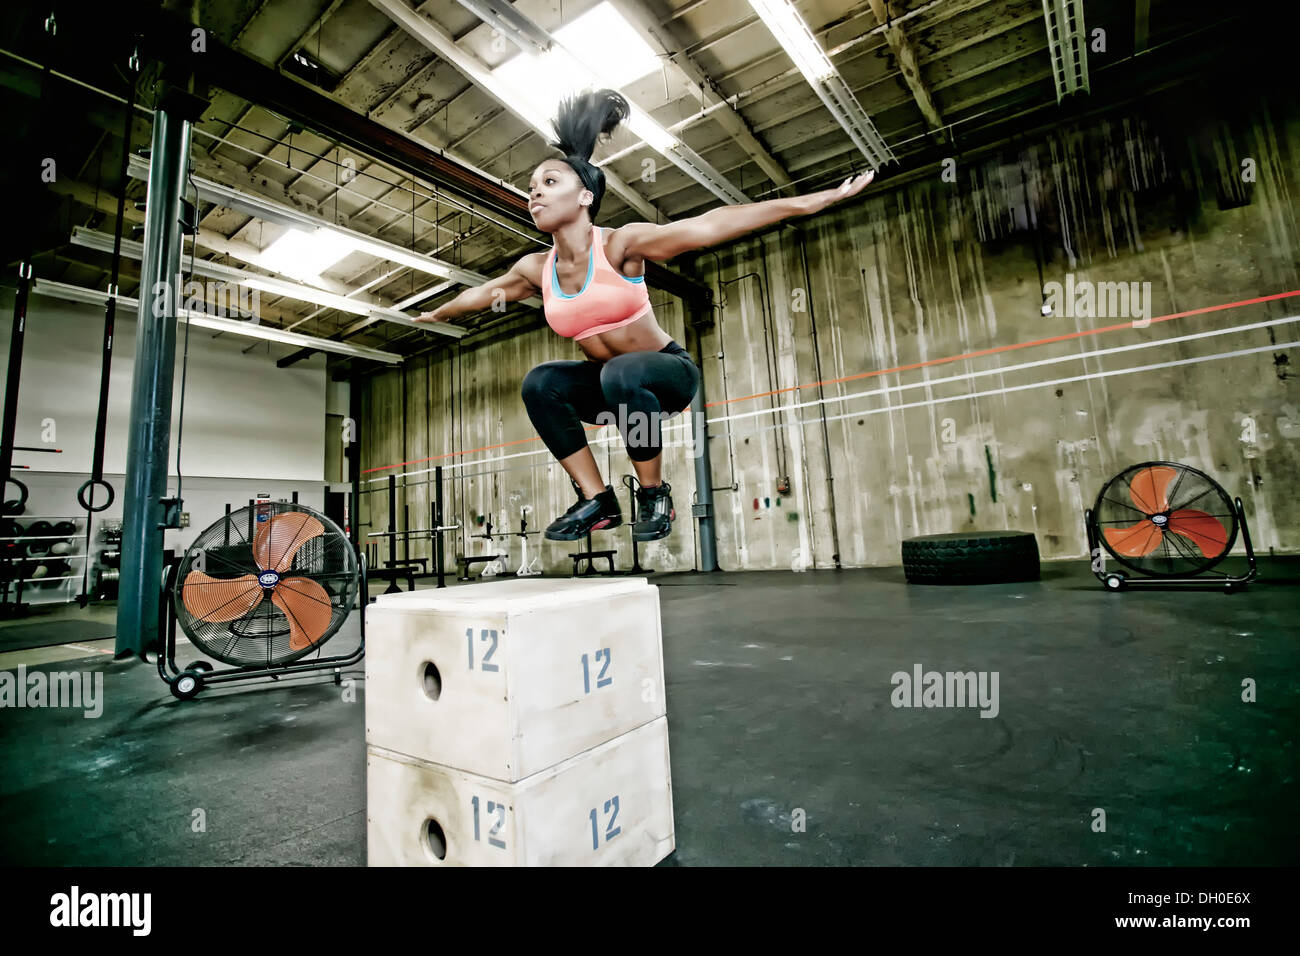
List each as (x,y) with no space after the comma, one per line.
(978,557)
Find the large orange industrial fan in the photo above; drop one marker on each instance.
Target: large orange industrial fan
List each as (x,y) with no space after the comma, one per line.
(1168,523)
(262,589)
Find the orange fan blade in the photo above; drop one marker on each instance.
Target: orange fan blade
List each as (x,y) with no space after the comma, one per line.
(307,606)
(1205,531)
(220,599)
(279,539)
(1135,542)
(1148,489)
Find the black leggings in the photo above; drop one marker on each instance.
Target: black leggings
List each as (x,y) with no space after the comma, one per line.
(633,391)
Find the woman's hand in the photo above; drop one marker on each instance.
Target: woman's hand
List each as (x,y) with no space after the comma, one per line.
(816,202)
(435,316)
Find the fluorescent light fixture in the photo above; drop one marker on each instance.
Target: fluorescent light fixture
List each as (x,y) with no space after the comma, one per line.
(103,242)
(75,293)
(305,255)
(853,119)
(640,123)
(506,20)
(795,38)
(216,270)
(72,293)
(811,60)
(1067,45)
(282,215)
(599,49)
(541,80)
(609,45)
(218,324)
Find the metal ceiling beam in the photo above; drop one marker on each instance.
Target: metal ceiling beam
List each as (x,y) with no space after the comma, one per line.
(75,293)
(300,291)
(946,9)
(908,65)
(371,111)
(1126,82)
(317,25)
(166,37)
(129,280)
(942,10)
(248,22)
(288,209)
(662,41)
(1067,39)
(295,218)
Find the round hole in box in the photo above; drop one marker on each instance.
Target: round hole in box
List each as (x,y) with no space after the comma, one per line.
(432,681)
(435,839)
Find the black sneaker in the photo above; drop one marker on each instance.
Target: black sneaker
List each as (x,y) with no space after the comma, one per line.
(587,515)
(654,513)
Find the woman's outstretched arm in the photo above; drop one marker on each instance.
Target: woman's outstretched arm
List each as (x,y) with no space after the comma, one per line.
(649,240)
(512,286)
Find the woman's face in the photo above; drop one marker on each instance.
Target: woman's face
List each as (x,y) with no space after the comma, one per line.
(555,195)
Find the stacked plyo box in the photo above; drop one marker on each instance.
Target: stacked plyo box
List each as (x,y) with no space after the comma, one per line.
(517,723)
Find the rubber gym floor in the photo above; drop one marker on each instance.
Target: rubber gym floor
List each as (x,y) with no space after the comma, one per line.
(786,747)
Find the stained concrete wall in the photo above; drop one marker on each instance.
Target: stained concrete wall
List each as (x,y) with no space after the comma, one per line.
(920,436)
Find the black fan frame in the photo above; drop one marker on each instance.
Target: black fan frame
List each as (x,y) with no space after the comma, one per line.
(237,520)
(1100,537)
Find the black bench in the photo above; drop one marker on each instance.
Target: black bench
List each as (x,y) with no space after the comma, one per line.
(393,575)
(466,561)
(403,562)
(591,556)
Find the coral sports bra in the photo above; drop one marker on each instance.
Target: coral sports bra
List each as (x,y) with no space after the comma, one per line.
(607,300)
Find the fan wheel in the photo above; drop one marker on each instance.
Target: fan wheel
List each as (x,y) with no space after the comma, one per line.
(1166,520)
(186,685)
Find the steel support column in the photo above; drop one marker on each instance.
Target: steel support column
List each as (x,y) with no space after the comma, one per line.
(149,439)
(698,314)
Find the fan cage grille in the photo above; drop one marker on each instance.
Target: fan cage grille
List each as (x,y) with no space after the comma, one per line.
(1128,503)
(261,636)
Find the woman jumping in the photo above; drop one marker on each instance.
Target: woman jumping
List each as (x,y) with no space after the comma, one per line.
(634,375)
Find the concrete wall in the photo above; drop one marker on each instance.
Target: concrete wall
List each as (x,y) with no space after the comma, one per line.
(936,268)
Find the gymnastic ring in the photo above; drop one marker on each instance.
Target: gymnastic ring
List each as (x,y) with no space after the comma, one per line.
(15,506)
(90,483)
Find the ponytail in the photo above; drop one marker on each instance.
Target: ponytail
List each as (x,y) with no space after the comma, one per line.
(579,123)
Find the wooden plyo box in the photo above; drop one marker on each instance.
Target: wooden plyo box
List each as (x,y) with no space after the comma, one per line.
(507,679)
(609,806)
